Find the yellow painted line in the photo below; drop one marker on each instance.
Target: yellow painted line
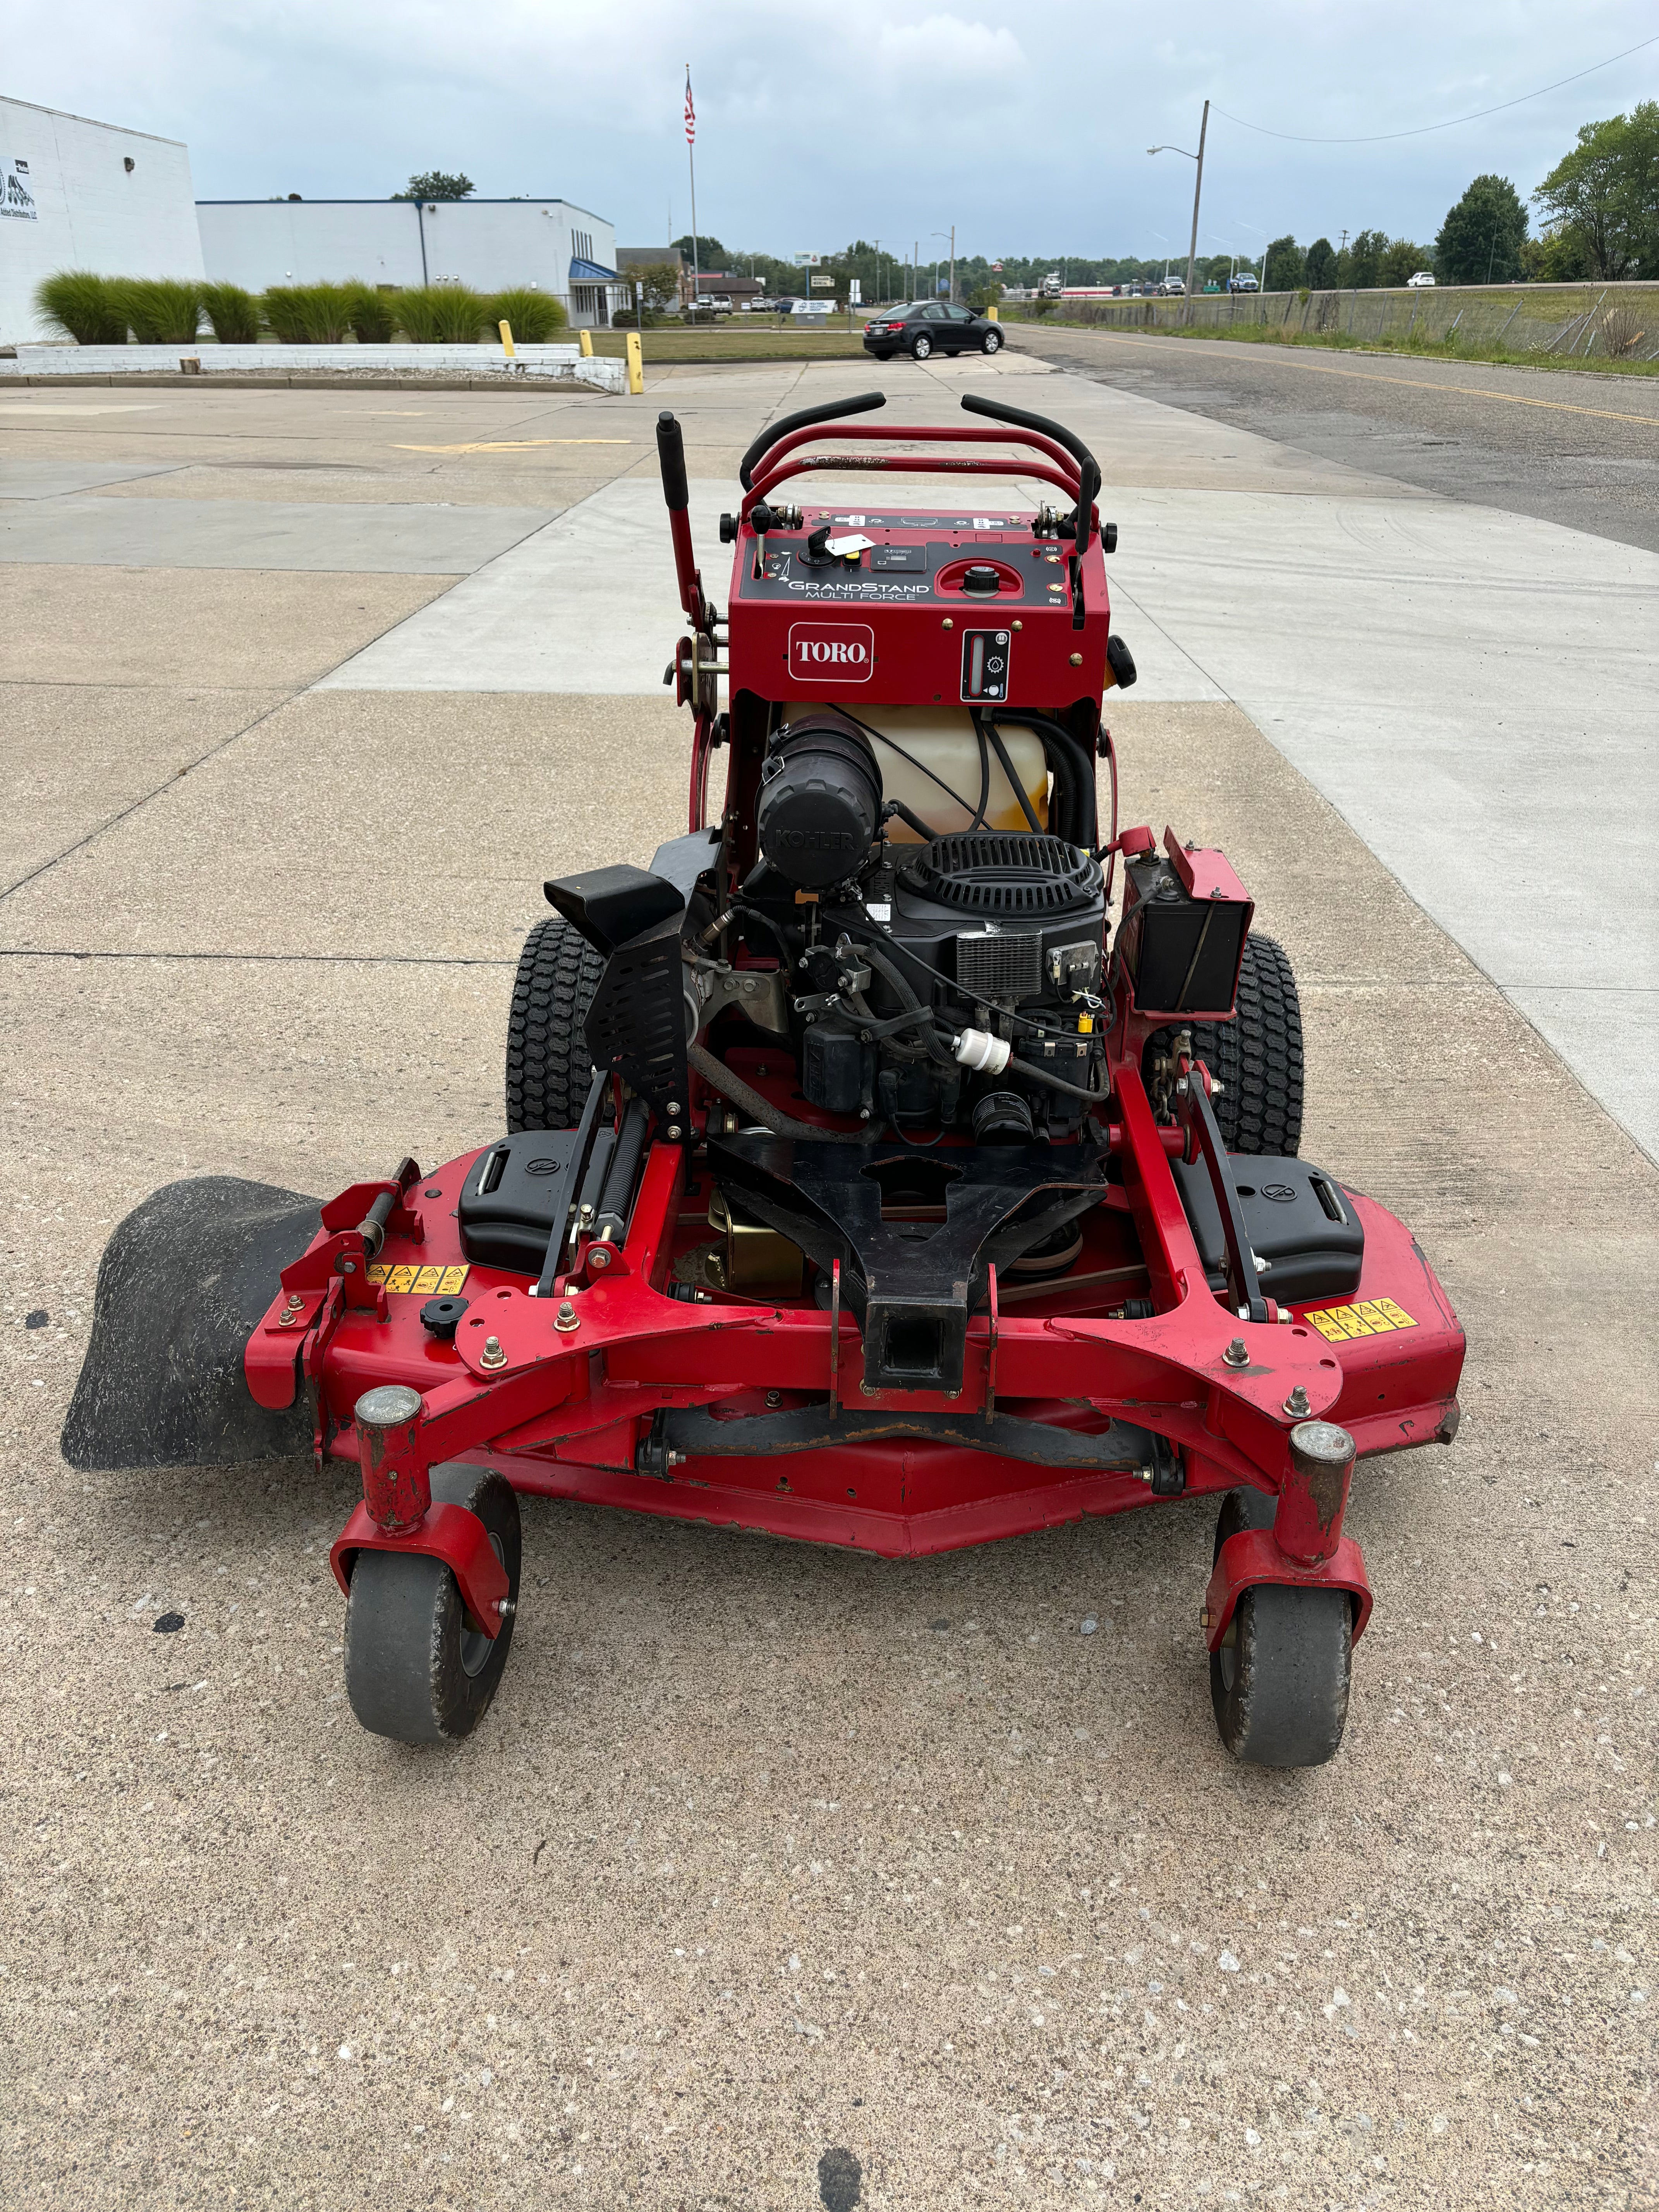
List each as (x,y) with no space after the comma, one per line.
(513,445)
(1420,383)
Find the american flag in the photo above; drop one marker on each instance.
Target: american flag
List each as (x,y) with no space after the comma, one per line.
(691,112)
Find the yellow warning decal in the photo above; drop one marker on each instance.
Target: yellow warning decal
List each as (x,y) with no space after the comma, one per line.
(1376,1317)
(421,1282)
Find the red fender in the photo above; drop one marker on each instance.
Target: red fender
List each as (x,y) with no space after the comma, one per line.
(448,1532)
(1252,1556)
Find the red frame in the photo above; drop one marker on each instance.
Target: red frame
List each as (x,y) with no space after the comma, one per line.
(562,1411)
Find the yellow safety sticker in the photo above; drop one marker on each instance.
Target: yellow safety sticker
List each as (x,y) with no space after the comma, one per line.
(1376,1317)
(422,1282)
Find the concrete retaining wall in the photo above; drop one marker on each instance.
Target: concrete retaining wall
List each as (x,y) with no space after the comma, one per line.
(561,364)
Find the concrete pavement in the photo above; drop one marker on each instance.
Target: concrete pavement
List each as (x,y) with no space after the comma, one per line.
(771,1865)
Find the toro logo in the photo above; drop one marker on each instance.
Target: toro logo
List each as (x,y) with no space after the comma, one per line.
(832,653)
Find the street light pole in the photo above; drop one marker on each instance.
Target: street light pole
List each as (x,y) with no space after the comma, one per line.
(1198,188)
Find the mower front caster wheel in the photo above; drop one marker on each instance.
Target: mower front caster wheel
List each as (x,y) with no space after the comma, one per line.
(1279,1683)
(414,1669)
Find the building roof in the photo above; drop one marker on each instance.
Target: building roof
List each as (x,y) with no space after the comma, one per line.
(589,272)
(401,199)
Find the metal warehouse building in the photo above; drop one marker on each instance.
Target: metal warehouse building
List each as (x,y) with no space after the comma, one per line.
(488,244)
(76,194)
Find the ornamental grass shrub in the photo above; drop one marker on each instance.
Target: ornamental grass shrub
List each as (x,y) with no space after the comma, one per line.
(533,317)
(374,317)
(310,314)
(80,306)
(442,314)
(160,310)
(233,313)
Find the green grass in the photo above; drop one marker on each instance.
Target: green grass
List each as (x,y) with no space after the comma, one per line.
(533,317)
(82,307)
(440,314)
(160,310)
(310,314)
(372,315)
(668,348)
(233,313)
(1414,348)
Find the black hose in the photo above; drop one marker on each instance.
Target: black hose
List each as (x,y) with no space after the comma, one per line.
(1083,831)
(911,820)
(1016,784)
(719,1077)
(894,976)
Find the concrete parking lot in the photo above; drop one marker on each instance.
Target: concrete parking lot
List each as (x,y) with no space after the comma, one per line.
(780,1877)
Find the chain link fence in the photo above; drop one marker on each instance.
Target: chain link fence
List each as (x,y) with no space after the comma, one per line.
(1611,321)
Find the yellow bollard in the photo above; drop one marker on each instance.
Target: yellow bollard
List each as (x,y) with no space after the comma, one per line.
(635,365)
(584,339)
(992,312)
(506,330)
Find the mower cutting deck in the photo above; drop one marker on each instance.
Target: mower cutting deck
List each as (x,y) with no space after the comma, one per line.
(862,1183)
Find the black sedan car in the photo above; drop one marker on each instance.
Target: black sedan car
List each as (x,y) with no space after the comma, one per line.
(929,328)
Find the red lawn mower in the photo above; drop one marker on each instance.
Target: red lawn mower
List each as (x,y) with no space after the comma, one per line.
(862,1183)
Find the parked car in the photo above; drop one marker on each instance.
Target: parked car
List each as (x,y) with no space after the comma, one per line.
(1245,282)
(1423,282)
(928,328)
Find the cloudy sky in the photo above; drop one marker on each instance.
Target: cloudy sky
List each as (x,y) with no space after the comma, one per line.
(1026,126)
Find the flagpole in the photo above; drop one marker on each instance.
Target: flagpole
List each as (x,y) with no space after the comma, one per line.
(691,163)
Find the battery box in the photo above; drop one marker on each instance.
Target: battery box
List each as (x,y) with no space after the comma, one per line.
(1186,916)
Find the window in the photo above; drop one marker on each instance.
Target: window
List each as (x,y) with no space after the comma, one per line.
(581,245)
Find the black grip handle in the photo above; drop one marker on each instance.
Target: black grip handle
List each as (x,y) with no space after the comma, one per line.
(1088,466)
(670,460)
(768,438)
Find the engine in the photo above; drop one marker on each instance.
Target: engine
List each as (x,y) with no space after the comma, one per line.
(952,984)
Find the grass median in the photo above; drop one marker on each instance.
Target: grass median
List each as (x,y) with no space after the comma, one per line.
(669,348)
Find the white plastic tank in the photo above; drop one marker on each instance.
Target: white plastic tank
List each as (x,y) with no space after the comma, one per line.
(933,765)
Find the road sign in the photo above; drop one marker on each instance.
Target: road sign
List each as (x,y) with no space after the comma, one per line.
(808,260)
(823,283)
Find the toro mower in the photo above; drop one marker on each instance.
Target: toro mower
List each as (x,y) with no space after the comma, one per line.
(897,1162)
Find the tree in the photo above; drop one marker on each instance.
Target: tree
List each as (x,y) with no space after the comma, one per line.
(1401,260)
(1481,239)
(1560,256)
(706,252)
(658,284)
(985,296)
(1285,268)
(1360,266)
(435,184)
(1322,265)
(1606,193)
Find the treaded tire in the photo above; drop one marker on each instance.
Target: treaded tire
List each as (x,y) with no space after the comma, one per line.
(414,1670)
(991,343)
(1256,1057)
(1279,1687)
(921,349)
(548,1072)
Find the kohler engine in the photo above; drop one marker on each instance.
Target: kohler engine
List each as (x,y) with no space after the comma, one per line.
(954,981)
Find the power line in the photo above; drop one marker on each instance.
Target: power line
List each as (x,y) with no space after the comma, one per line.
(1379,137)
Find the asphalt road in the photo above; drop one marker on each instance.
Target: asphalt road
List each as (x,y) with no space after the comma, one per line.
(1583,451)
(778,1879)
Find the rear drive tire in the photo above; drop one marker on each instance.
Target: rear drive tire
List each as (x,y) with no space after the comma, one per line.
(1256,1058)
(1279,1684)
(414,1669)
(921,349)
(992,341)
(548,1071)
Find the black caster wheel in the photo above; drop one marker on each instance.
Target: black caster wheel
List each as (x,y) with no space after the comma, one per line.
(1280,1682)
(414,1669)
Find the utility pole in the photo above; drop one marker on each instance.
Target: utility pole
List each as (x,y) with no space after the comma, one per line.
(953,262)
(691,135)
(1198,187)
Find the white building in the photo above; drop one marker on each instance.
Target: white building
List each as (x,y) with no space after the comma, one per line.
(76,194)
(487,244)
